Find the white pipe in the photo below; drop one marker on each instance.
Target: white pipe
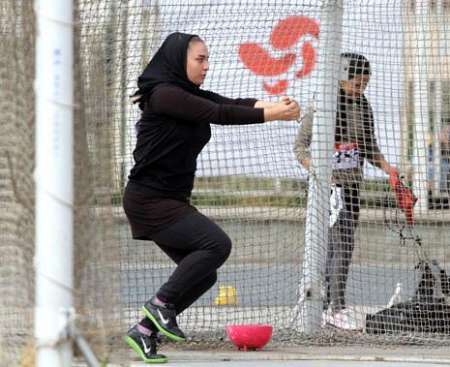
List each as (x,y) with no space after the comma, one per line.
(421,123)
(437,156)
(310,302)
(54,182)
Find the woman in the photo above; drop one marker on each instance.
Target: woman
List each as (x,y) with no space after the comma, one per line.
(172,131)
(355,142)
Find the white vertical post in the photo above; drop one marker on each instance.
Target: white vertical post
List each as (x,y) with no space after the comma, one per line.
(124,100)
(437,156)
(54,181)
(421,110)
(310,303)
(440,19)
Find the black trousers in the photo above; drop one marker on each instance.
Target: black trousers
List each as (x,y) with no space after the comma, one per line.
(199,247)
(341,242)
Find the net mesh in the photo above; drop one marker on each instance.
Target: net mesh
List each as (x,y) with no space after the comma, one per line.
(249,179)
(16,182)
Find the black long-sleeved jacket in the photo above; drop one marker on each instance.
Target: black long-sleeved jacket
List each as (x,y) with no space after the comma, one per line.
(173,129)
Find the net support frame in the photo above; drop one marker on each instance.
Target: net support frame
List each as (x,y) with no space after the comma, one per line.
(421,108)
(322,148)
(437,156)
(54,182)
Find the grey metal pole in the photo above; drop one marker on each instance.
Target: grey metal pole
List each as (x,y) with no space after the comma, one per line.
(310,303)
(437,156)
(421,107)
(54,182)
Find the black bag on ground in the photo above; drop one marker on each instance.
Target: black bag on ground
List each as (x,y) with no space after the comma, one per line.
(426,312)
(410,316)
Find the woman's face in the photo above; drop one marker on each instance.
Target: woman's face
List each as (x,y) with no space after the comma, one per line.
(197,64)
(355,86)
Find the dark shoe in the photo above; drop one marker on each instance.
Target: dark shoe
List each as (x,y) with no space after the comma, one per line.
(144,346)
(164,318)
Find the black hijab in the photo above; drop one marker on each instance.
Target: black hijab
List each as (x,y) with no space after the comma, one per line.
(168,65)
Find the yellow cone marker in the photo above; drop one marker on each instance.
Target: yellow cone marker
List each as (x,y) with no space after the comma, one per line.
(227,296)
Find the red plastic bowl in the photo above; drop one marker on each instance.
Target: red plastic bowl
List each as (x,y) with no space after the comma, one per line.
(249,336)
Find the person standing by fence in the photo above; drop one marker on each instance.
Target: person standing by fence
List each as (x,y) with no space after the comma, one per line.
(355,142)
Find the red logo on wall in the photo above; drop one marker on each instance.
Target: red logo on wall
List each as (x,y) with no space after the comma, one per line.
(286,34)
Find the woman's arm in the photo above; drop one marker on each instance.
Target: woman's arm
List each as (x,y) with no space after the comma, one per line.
(217,98)
(264,104)
(373,152)
(272,110)
(274,107)
(267,104)
(379,161)
(179,104)
(285,110)
(375,157)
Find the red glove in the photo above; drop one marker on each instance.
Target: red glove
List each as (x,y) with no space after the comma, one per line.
(403,195)
(394,178)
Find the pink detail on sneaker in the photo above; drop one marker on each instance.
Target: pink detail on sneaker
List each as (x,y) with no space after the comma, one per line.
(143,330)
(158,302)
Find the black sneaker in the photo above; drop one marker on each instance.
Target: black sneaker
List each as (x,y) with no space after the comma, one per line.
(144,346)
(164,318)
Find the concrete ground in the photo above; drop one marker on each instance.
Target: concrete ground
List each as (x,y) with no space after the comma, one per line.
(254,361)
(303,356)
(187,361)
(306,363)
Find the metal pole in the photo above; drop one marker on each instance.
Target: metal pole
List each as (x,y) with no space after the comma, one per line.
(440,19)
(421,108)
(54,182)
(124,100)
(322,148)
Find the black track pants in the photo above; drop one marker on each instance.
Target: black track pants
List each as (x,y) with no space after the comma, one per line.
(199,247)
(341,242)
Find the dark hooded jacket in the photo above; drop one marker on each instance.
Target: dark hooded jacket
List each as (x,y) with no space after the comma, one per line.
(354,125)
(175,122)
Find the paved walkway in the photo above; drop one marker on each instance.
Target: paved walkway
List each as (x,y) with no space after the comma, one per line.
(413,356)
(299,356)
(293,364)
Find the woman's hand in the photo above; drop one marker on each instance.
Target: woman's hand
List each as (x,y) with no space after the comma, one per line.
(286,100)
(286,109)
